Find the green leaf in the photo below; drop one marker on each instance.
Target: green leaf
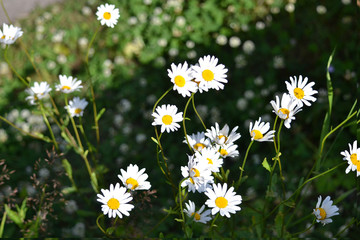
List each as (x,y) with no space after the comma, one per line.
(68,190)
(13,216)
(23,209)
(329,83)
(94,182)
(68,168)
(178,220)
(2,224)
(155,141)
(279,223)
(161,235)
(100,114)
(290,204)
(110,230)
(344,195)
(266,165)
(188,232)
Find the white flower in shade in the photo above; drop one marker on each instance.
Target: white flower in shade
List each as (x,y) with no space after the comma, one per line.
(76,107)
(108,14)
(324,212)
(68,84)
(228,150)
(286,109)
(211,158)
(199,216)
(180,76)
(168,117)
(301,90)
(134,179)
(9,34)
(198,141)
(353,158)
(115,201)
(198,176)
(209,74)
(37,92)
(223,200)
(259,129)
(222,136)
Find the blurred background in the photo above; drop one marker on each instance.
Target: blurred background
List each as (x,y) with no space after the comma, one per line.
(262,43)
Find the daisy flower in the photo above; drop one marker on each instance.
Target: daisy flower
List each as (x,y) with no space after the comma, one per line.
(259,129)
(108,14)
(324,212)
(68,84)
(198,141)
(180,76)
(9,34)
(222,136)
(211,158)
(76,107)
(301,90)
(208,74)
(286,109)
(353,158)
(37,92)
(229,150)
(134,179)
(222,200)
(199,216)
(167,117)
(115,201)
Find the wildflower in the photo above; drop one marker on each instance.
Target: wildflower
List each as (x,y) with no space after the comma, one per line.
(222,136)
(115,201)
(68,84)
(228,150)
(199,216)
(222,200)
(76,107)
(9,34)
(167,117)
(209,75)
(353,158)
(324,213)
(301,91)
(134,179)
(248,47)
(287,109)
(108,14)
(211,158)
(259,129)
(180,76)
(37,92)
(198,141)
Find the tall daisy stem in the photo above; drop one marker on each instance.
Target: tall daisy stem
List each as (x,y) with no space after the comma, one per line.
(183,122)
(243,166)
(198,115)
(12,68)
(48,125)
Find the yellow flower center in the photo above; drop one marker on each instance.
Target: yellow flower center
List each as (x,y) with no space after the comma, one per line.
(223,136)
(133,183)
(107,15)
(299,93)
(113,203)
(285,111)
(78,111)
(353,158)
(208,75)
(65,88)
(322,213)
(197,173)
(196,216)
(179,81)
(210,161)
(199,146)
(256,134)
(223,152)
(167,119)
(221,202)
(3,37)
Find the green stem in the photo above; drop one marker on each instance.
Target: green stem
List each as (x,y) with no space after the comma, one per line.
(243,165)
(197,114)
(3,7)
(74,126)
(307,229)
(274,140)
(183,122)
(48,125)
(101,229)
(180,204)
(162,96)
(12,68)
(213,223)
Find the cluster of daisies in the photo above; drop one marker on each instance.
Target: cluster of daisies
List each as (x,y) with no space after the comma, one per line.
(116,200)
(67,84)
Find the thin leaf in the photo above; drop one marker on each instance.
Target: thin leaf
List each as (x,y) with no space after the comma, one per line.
(2,224)
(100,114)
(13,216)
(266,165)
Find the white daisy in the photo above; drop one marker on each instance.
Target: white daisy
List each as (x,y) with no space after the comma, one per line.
(108,14)
(115,201)
(211,158)
(167,117)
(198,141)
(287,109)
(259,129)
(9,34)
(222,200)
(76,107)
(68,84)
(199,216)
(208,74)
(37,92)
(324,212)
(134,179)
(228,150)
(222,136)
(180,76)
(301,91)
(353,158)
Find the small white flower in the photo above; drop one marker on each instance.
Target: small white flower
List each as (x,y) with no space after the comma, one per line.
(248,47)
(108,14)
(115,201)
(222,136)
(353,158)
(287,109)
(180,76)
(228,150)
(134,179)
(222,200)
(68,84)
(211,158)
(301,91)
(259,129)
(198,141)
(76,107)
(199,216)
(167,116)
(9,34)
(324,212)
(37,92)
